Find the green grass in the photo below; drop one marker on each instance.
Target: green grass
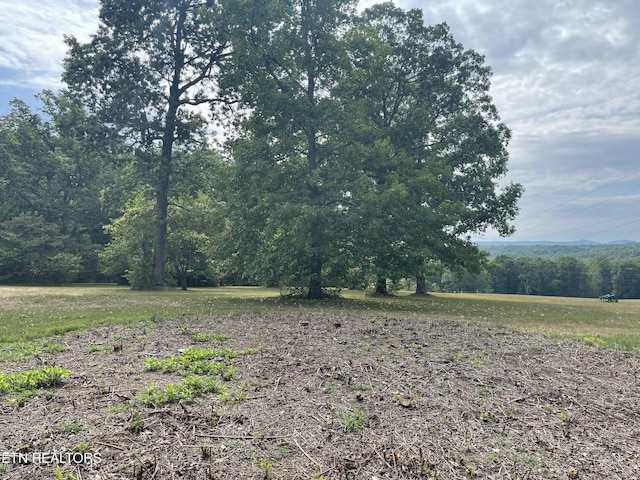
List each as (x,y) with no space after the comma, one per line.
(189,389)
(23,385)
(353,420)
(30,314)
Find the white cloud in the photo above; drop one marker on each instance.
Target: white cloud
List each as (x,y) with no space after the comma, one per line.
(32,46)
(566,81)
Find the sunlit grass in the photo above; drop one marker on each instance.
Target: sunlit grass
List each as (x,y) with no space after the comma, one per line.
(30,313)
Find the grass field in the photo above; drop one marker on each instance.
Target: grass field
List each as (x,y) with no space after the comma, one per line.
(33,313)
(231,383)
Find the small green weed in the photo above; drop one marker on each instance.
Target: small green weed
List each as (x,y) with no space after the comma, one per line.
(58,474)
(54,348)
(430,473)
(478,362)
(64,429)
(136,422)
(266,469)
(117,409)
(200,337)
(332,386)
(27,384)
(70,428)
(284,449)
(82,447)
(354,420)
(97,349)
(528,462)
(228,373)
(594,341)
(471,470)
(408,401)
(192,387)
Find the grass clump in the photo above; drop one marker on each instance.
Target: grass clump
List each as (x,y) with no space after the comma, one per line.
(203,369)
(64,429)
(195,361)
(21,351)
(32,379)
(189,389)
(354,420)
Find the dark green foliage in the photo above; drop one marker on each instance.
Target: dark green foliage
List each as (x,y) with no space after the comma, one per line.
(565,276)
(625,279)
(149,64)
(586,253)
(364,148)
(50,175)
(430,144)
(373,147)
(292,176)
(33,251)
(599,272)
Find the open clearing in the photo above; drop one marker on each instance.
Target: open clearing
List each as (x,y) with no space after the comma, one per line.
(334,394)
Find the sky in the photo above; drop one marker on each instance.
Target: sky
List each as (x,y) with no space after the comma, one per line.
(566,81)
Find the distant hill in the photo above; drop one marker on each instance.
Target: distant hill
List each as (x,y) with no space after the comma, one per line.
(575,242)
(584,249)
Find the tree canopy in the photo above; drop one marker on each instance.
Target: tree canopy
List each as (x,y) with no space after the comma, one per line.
(149,64)
(430,143)
(290,169)
(356,147)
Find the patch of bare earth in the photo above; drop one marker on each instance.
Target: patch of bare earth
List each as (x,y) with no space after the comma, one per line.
(332,397)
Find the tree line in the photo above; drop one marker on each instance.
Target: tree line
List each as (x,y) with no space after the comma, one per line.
(562,276)
(586,252)
(281,142)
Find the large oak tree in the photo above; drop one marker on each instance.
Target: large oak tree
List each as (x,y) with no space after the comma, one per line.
(431,143)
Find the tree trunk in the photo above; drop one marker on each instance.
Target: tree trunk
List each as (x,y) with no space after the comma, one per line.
(421,285)
(160,247)
(315,282)
(160,237)
(184,275)
(381,286)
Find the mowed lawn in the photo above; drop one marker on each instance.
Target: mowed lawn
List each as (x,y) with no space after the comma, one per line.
(32,313)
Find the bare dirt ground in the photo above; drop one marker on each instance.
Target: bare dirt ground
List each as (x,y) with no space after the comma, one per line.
(373,398)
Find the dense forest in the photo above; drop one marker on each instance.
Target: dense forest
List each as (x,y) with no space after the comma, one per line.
(295,143)
(586,251)
(560,276)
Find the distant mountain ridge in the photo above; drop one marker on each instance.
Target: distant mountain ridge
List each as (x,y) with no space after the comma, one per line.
(583,249)
(551,242)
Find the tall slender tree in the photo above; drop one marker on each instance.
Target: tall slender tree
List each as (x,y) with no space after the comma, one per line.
(147,73)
